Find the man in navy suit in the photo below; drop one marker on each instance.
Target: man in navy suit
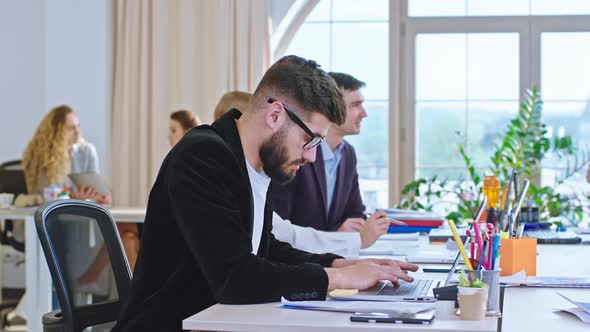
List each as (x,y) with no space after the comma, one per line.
(325,194)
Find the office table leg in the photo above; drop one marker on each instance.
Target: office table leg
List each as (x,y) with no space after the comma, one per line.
(38,279)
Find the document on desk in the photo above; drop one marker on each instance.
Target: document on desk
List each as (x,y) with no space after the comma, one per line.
(582,310)
(520,279)
(400,237)
(390,248)
(358,306)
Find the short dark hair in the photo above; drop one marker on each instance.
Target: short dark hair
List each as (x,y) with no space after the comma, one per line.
(305,83)
(347,82)
(187,119)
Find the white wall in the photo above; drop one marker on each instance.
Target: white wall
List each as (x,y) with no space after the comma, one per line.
(22,73)
(54,52)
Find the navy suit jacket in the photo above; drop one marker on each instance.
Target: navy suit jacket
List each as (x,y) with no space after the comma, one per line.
(196,248)
(304,200)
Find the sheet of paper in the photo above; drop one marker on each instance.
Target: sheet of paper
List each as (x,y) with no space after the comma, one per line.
(400,237)
(358,306)
(583,305)
(517,279)
(390,248)
(578,312)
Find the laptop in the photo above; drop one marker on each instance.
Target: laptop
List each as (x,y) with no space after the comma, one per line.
(420,290)
(543,236)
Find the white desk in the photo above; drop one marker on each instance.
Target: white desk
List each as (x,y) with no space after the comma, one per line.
(38,279)
(266,317)
(525,309)
(531,309)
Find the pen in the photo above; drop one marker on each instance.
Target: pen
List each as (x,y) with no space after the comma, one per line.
(478,238)
(490,259)
(510,224)
(480,263)
(393,220)
(496,252)
(460,244)
(520,231)
(397,222)
(515,183)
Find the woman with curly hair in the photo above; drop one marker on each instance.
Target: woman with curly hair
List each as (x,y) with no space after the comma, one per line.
(58,149)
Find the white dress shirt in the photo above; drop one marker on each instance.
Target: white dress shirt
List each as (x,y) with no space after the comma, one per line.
(259,182)
(346,244)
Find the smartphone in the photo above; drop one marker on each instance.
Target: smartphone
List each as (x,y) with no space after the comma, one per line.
(393,317)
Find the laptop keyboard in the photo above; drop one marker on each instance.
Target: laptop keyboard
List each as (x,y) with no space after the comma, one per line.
(417,287)
(544,236)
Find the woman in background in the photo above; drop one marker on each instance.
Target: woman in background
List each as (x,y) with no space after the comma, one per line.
(58,149)
(180,122)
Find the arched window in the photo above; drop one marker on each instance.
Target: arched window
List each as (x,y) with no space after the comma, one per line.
(351,36)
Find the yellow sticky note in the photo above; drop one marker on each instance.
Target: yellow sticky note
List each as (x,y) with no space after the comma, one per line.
(344,292)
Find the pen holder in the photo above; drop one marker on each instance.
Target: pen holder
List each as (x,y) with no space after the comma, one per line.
(472,302)
(492,279)
(518,254)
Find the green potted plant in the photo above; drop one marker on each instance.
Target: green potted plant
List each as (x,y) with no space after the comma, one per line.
(521,146)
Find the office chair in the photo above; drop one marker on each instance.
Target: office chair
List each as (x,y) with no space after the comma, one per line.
(58,225)
(12,180)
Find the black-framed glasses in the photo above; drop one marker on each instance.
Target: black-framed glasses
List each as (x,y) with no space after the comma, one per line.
(315,138)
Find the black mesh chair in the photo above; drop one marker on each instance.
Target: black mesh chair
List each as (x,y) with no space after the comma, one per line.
(72,234)
(12,180)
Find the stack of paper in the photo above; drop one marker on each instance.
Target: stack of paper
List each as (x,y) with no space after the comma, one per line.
(582,309)
(390,248)
(358,306)
(420,222)
(521,279)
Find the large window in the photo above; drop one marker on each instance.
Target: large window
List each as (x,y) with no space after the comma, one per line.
(351,36)
(460,69)
(466,89)
(467,64)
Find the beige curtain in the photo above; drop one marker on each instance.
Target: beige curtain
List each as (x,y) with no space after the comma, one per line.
(172,54)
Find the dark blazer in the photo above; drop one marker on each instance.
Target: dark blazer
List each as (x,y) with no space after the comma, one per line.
(304,200)
(196,248)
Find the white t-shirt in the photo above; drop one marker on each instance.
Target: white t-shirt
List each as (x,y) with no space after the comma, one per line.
(259,182)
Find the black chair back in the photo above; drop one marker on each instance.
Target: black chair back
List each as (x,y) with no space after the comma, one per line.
(73,234)
(12,178)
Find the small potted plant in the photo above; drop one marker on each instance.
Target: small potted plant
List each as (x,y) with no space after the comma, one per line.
(473,298)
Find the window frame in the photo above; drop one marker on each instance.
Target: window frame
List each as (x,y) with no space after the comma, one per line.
(402,35)
(529,29)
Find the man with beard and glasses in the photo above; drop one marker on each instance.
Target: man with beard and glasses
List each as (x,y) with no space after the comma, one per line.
(347,244)
(207,234)
(325,195)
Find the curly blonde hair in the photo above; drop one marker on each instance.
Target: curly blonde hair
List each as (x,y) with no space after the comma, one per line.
(47,157)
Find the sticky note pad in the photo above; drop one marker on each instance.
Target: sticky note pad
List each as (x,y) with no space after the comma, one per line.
(344,292)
